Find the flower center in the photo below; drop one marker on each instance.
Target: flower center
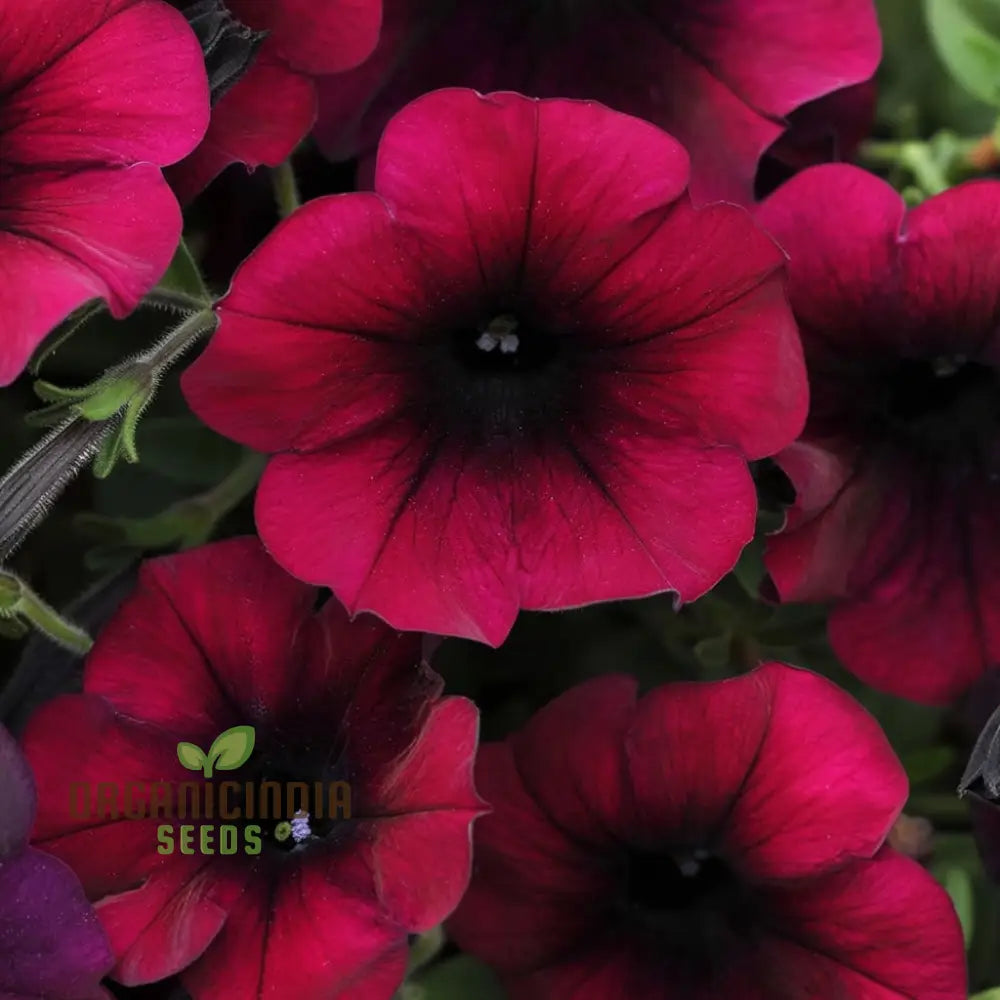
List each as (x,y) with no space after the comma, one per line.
(567,10)
(504,346)
(297,797)
(947,405)
(688,905)
(679,880)
(503,378)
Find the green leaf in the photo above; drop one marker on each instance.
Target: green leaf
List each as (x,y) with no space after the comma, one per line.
(749,571)
(191,756)
(425,949)
(459,979)
(73,323)
(13,628)
(185,451)
(958,884)
(993,994)
(924,764)
(232,748)
(120,444)
(966,34)
(184,277)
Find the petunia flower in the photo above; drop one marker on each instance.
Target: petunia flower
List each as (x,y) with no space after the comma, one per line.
(720,76)
(51,943)
(898,471)
(94,98)
(214,643)
(703,842)
(270,109)
(524,373)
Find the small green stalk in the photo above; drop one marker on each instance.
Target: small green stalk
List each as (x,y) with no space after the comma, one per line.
(184,524)
(425,949)
(19,601)
(123,392)
(286,189)
(227,495)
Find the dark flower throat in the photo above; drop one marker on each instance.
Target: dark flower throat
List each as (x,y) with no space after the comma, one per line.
(947,407)
(689,906)
(289,768)
(501,379)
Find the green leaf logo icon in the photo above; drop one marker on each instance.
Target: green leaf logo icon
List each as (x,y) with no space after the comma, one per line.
(190,756)
(232,748)
(229,751)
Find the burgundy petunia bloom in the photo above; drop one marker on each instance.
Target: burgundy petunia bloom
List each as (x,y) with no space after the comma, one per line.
(898,470)
(220,637)
(94,98)
(721,76)
(51,944)
(524,373)
(265,115)
(704,841)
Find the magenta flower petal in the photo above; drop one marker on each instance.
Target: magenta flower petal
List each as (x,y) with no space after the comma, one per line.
(164,924)
(788,801)
(605,460)
(579,741)
(217,637)
(950,267)
(520,923)
(92,96)
(406,555)
(825,44)
(676,64)
(329,932)
(408,843)
(258,123)
(925,569)
(839,773)
(497,185)
(160,912)
(898,470)
(272,107)
(860,250)
(172,614)
(889,902)
(315,38)
(813,562)
(755,869)
(129,754)
(129,87)
(60,246)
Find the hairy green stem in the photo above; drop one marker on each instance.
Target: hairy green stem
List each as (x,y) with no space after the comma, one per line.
(183,336)
(228,493)
(18,600)
(286,188)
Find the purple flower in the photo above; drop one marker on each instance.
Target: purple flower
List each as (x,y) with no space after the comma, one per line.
(51,944)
